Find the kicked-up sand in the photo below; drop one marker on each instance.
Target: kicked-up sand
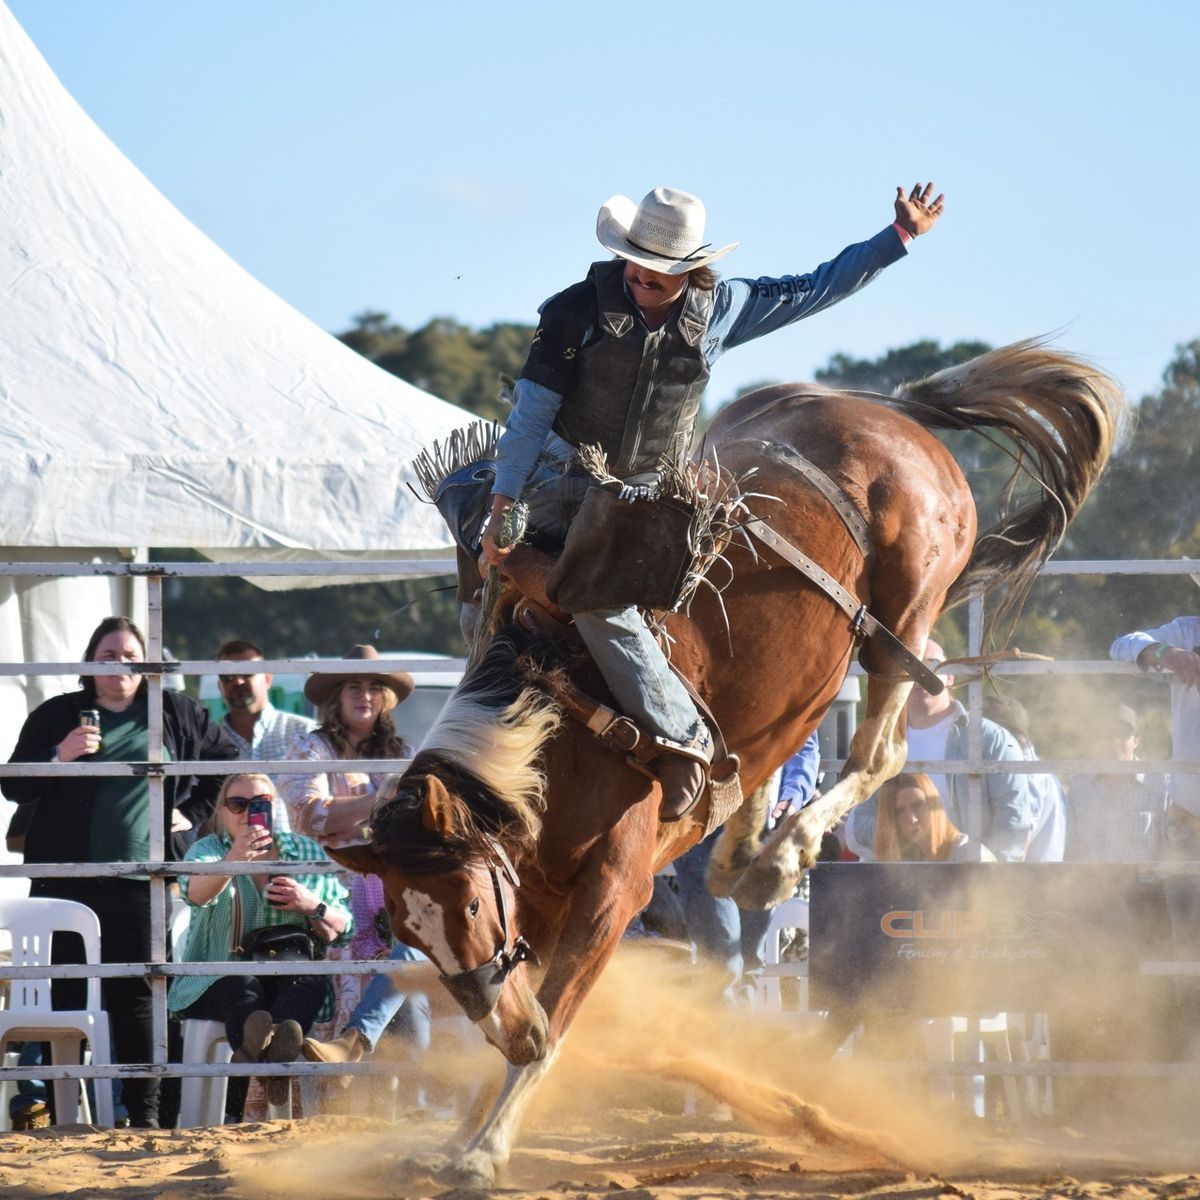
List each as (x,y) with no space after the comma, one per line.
(657,1095)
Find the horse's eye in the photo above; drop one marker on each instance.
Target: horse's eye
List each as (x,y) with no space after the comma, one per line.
(473,907)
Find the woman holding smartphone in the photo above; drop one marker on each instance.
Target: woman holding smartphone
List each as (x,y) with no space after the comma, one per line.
(266,1017)
(94,819)
(357,712)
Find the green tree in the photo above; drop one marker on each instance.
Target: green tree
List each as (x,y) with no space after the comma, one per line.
(446,358)
(903,365)
(410,614)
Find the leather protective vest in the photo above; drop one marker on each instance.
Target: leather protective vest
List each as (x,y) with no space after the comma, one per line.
(637,391)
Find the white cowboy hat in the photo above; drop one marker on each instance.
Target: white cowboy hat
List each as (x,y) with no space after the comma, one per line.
(664,233)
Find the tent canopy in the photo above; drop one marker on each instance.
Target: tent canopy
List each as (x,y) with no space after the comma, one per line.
(152,393)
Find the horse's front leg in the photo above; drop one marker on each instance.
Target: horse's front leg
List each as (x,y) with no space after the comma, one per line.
(491,1147)
(600,909)
(877,752)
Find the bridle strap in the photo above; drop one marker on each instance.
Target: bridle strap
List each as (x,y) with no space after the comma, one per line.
(478,989)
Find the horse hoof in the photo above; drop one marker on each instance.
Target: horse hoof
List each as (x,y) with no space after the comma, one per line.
(763,886)
(471,1170)
(419,1167)
(721,880)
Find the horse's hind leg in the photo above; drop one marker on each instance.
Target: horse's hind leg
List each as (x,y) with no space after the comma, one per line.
(877,752)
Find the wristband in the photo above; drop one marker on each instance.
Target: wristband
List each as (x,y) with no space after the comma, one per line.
(1160,652)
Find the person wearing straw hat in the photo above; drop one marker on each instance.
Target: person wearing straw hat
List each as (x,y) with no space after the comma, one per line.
(620,361)
(356,714)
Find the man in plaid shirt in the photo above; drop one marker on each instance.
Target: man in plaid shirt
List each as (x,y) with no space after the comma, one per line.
(260,731)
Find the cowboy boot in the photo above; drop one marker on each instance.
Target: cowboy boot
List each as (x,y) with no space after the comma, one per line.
(682,771)
(351,1047)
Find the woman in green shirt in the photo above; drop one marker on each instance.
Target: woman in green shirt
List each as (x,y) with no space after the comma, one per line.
(97,819)
(266,1017)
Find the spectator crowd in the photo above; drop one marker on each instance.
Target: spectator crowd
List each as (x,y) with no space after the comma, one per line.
(922,815)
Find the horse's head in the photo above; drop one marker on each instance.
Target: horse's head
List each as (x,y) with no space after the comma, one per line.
(451,892)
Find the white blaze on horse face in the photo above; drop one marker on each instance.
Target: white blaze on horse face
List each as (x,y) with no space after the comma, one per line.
(426,921)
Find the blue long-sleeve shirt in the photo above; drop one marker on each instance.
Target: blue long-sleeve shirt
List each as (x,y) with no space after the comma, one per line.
(798,779)
(743,309)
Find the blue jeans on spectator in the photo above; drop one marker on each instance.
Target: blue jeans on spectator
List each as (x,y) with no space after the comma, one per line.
(382,1003)
(713,924)
(754,923)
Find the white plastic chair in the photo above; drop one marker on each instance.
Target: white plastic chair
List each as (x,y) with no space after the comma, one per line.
(202,1098)
(978,1038)
(790,914)
(30,1016)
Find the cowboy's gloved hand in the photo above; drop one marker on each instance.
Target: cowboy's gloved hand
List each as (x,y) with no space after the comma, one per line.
(491,552)
(915,212)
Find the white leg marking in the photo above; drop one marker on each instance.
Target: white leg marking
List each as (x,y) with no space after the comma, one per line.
(495,1137)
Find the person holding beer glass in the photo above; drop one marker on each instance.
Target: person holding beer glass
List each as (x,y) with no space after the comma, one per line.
(90,819)
(267,1016)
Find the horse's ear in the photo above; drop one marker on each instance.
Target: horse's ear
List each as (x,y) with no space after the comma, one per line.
(437,808)
(357,858)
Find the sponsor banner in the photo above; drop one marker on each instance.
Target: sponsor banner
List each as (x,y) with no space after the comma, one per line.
(943,938)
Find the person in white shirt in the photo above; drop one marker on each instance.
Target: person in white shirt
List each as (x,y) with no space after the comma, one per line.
(1117,818)
(937,730)
(260,731)
(1173,650)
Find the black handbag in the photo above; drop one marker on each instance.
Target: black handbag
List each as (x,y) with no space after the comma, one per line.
(277,943)
(270,943)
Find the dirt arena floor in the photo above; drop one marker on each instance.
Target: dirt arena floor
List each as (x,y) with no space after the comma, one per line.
(657,1095)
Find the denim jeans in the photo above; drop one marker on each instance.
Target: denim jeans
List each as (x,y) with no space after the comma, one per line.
(713,924)
(629,658)
(382,1002)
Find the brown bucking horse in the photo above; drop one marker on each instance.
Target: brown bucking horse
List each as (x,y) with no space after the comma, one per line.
(516,848)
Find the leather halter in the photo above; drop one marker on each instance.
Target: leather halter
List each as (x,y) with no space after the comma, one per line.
(478,989)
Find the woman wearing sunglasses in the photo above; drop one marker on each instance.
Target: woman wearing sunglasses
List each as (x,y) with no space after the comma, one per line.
(357,722)
(266,1017)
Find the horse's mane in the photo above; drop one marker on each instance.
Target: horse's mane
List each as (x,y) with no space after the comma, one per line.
(486,748)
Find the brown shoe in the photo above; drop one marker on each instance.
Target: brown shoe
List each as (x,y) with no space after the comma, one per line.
(349,1048)
(285,1045)
(34,1115)
(257,1030)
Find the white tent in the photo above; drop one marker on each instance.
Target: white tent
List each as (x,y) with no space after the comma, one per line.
(152,393)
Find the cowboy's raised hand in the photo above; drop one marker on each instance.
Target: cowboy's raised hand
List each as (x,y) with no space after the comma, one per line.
(915,212)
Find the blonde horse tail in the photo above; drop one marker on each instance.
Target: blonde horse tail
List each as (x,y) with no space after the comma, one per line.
(1059,418)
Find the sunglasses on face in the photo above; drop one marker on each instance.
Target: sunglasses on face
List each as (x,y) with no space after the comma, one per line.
(238,804)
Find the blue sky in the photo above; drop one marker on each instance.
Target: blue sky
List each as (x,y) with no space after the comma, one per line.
(448,160)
